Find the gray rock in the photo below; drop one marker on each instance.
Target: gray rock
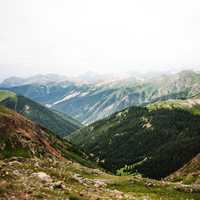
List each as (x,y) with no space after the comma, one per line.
(43,177)
(58,185)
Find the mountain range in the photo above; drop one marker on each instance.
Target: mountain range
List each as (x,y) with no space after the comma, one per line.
(91,102)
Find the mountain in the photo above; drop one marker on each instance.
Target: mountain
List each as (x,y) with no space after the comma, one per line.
(53,120)
(37,164)
(21,137)
(155,140)
(91,102)
(39,79)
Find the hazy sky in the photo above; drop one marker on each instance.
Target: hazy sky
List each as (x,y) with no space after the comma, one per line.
(73,36)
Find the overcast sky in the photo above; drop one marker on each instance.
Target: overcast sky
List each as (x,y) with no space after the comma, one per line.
(74,36)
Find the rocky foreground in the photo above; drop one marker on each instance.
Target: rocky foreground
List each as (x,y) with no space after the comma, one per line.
(49,179)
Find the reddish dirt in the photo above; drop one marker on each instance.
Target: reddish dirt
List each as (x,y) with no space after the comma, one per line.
(14,124)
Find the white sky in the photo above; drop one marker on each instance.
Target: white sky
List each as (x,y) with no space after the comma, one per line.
(74,36)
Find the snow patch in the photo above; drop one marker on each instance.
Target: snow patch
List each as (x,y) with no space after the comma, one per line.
(84,94)
(48,105)
(70,96)
(27,109)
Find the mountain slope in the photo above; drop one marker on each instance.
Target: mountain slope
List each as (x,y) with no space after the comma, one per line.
(22,138)
(36,164)
(6,94)
(155,140)
(58,123)
(91,102)
(189,173)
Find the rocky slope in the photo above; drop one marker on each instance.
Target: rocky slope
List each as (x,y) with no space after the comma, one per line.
(155,140)
(21,137)
(24,179)
(55,121)
(189,173)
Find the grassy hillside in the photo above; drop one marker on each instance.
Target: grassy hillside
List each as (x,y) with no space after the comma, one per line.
(155,140)
(191,105)
(36,164)
(5,94)
(58,123)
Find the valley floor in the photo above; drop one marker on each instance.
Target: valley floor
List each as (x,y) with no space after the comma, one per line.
(50,179)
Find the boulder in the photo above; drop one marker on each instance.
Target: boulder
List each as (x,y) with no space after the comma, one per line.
(43,177)
(58,185)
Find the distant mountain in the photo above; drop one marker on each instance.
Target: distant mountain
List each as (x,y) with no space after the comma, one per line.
(91,102)
(59,123)
(155,140)
(37,79)
(12,82)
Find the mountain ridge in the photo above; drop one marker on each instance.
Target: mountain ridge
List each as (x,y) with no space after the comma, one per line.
(58,123)
(92,102)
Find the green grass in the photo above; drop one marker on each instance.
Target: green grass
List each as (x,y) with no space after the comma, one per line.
(176,104)
(190,180)
(195,110)
(5,94)
(139,189)
(9,152)
(73,197)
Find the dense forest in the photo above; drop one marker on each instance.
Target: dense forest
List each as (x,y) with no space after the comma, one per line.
(154,140)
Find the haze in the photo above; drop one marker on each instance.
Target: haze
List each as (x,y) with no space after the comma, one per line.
(72,37)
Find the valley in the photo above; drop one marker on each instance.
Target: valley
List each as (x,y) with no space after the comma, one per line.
(136,139)
(36,164)
(53,120)
(142,139)
(99,100)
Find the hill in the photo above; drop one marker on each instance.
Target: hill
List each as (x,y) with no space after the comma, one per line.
(20,137)
(189,173)
(154,141)
(58,123)
(6,94)
(91,102)
(36,164)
